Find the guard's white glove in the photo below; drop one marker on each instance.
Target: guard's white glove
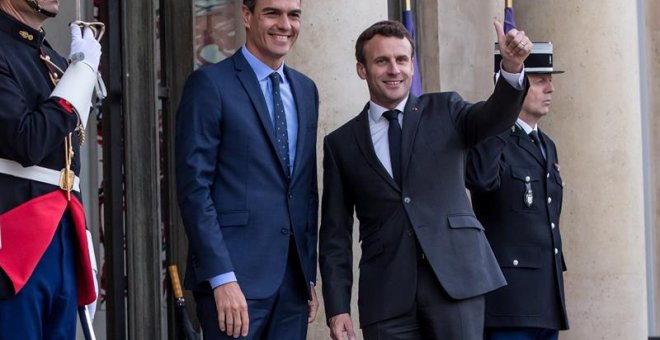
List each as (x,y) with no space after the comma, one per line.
(92,259)
(84,46)
(78,82)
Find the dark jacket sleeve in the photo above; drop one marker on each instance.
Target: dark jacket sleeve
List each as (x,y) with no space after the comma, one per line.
(488,118)
(336,239)
(197,141)
(29,132)
(484,165)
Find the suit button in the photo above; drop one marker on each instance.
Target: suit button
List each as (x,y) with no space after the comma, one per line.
(290,195)
(549,200)
(556,251)
(284,231)
(406,200)
(552,225)
(515,262)
(547,175)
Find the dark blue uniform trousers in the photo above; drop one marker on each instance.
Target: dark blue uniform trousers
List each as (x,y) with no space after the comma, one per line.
(281,316)
(46,307)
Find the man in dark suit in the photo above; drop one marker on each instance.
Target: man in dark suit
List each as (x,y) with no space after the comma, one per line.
(246,183)
(425,261)
(517,194)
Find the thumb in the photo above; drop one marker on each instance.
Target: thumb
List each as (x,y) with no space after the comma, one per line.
(350,332)
(76,34)
(499,30)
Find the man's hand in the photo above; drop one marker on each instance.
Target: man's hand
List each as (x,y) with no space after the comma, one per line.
(84,46)
(515,46)
(313,305)
(232,309)
(341,325)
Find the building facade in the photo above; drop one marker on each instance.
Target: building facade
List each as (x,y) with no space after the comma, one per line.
(604,121)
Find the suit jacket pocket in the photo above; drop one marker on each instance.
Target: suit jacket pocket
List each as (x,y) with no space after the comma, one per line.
(462,221)
(233,218)
(509,256)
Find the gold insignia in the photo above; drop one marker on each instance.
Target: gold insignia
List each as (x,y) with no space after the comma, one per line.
(26,35)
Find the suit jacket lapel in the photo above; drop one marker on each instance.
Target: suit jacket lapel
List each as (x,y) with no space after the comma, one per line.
(362,135)
(526,143)
(251,85)
(303,116)
(411,117)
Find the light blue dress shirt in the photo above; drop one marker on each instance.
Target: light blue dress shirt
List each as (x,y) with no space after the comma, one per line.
(262,71)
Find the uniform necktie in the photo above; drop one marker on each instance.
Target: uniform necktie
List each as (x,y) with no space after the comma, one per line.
(279,120)
(534,135)
(394,136)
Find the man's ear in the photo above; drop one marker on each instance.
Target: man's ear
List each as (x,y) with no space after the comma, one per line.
(361,70)
(246,14)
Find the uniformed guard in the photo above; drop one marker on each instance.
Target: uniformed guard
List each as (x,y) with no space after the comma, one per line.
(516,192)
(45,259)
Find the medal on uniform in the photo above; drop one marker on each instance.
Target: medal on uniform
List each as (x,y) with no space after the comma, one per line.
(528,196)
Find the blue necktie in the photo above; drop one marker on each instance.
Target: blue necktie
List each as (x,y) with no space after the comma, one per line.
(394,137)
(279,120)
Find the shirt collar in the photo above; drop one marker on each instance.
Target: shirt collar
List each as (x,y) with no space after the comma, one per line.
(376,111)
(21,31)
(526,126)
(259,67)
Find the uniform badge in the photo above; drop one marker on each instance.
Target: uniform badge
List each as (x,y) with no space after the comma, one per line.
(528,197)
(25,35)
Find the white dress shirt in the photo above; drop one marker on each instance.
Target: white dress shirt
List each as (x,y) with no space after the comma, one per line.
(378,125)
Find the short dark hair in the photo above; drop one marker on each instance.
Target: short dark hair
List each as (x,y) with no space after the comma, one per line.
(250,4)
(386,28)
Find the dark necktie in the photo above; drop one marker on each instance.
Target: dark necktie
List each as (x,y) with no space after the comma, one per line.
(279,120)
(394,136)
(534,135)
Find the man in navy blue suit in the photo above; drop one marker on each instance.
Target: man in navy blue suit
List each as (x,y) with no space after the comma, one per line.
(247,186)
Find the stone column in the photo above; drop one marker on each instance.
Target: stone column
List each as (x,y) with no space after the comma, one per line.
(325,51)
(596,124)
(651,71)
(456,52)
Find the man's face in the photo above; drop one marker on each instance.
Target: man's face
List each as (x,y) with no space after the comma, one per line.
(52,6)
(539,96)
(388,69)
(272,29)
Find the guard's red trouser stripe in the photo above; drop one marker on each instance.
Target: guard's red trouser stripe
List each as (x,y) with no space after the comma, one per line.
(28,229)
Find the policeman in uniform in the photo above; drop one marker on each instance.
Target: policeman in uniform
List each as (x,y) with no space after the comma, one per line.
(516,192)
(45,264)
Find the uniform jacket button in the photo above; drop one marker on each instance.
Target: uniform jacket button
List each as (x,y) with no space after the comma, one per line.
(515,262)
